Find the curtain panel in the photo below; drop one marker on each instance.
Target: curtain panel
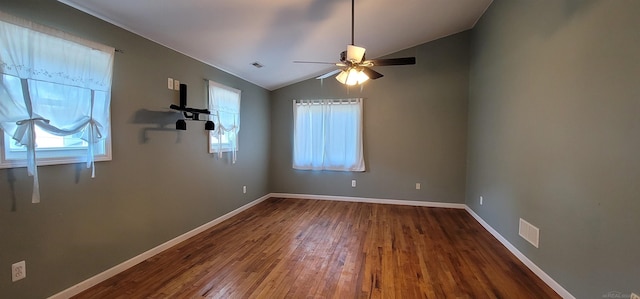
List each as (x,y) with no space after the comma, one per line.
(224,104)
(328,135)
(55,81)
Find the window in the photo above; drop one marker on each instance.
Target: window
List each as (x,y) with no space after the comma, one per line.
(224,104)
(51,150)
(55,93)
(328,135)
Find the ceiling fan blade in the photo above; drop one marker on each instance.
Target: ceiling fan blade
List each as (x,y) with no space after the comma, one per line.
(355,53)
(393,61)
(371,73)
(329,74)
(315,62)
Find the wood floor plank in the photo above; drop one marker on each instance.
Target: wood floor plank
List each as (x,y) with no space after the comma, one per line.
(301,248)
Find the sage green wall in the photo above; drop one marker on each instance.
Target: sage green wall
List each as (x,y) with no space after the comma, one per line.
(554,136)
(415,123)
(154,189)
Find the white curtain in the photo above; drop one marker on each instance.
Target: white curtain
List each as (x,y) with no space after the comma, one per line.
(328,135)
(224,104)
(55,81)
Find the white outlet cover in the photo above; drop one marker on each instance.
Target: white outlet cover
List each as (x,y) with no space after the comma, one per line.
(176,85)
(170,83)
(353,183)
(418,186)
(18,271)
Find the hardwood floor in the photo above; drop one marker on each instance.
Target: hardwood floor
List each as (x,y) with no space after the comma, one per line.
(299,248)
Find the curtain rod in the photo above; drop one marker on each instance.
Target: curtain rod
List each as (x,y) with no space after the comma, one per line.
(332,100)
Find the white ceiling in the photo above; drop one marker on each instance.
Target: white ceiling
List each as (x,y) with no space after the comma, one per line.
(232,34)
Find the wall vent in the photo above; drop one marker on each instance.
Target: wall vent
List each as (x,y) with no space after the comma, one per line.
(529,232)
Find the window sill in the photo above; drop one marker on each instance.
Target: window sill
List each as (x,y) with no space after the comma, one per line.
(52,161)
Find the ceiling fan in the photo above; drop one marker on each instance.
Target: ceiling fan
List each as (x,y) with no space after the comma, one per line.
(354,67)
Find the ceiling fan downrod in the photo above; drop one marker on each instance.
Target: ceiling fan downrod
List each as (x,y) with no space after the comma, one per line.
(352,21)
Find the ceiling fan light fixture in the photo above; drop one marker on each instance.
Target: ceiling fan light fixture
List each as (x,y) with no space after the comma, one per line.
(352,77)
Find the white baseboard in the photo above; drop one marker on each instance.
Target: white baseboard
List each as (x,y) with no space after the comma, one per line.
(76,289)
(431,204)
(533,267)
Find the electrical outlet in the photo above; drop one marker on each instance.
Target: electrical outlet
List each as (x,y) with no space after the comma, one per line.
(18,271)
(481,200)
(244,189)
(418,186)
(634,296)
(170,83)
(176,85)
(353,183)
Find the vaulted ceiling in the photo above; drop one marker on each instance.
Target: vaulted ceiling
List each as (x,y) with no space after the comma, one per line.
(233,34)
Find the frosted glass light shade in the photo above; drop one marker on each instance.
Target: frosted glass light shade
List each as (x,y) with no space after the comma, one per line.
(352,77)
(342,77)
(361,77)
